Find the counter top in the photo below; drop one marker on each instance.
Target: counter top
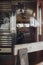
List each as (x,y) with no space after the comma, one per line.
(31,47)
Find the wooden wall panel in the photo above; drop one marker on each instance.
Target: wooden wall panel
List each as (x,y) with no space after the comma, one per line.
(33,58)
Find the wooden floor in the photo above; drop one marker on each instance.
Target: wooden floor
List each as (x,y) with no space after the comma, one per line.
(6,60)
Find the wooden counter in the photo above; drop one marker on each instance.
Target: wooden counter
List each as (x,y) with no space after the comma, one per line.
(35,52)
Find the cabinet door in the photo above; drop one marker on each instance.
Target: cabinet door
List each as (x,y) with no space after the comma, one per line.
(32,34)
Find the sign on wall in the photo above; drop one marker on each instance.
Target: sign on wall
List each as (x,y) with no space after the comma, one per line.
(34,22)
(5,50)
(23,56)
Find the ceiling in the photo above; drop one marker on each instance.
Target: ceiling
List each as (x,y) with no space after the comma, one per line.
(16,0)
